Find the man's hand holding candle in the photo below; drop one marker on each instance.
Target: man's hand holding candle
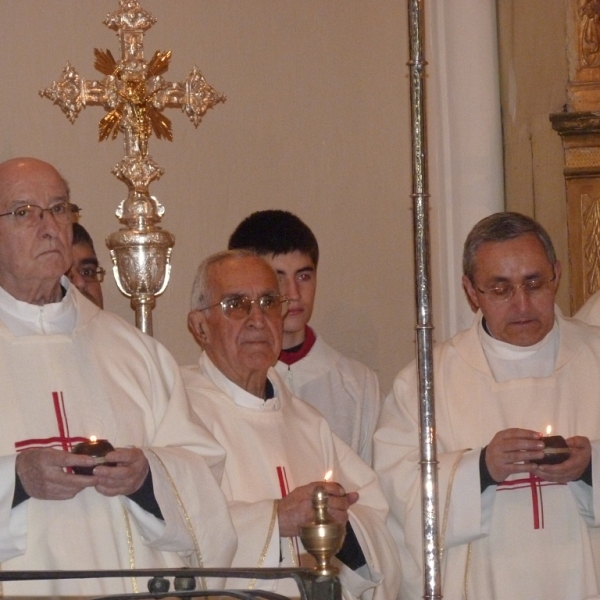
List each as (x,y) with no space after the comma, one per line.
(572,468)
(43,473)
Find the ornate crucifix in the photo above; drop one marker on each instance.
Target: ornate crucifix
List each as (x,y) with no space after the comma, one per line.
(134,94)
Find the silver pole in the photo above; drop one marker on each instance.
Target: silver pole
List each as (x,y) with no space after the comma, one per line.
(420,196)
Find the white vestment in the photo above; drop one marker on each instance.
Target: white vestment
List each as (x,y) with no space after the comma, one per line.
(526,538)
(590,312)
(107,379)
(343,390)
(273,447)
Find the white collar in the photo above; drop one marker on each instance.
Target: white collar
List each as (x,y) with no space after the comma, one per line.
(508,361)
(240,396)
(23,318)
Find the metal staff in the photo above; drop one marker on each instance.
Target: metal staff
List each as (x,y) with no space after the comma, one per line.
(420,196)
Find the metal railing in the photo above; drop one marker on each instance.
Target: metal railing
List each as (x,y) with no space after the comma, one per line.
(311,585)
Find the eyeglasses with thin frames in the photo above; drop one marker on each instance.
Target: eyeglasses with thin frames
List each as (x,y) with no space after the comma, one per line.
(92,274)
(505,291)
(30,215)
(239,307)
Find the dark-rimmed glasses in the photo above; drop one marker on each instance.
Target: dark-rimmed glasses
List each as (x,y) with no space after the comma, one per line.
(505,291)
(30,215)
(239,307)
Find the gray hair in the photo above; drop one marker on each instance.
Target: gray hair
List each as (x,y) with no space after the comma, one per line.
(201,292)
(501,227)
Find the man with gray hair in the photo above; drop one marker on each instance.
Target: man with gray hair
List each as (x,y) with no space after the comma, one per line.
(279,448)
(512,526)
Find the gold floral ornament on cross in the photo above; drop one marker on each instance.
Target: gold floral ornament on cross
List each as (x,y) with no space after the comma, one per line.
(134,94)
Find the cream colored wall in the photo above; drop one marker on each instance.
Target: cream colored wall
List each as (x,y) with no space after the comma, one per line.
(316,122)
(534,73)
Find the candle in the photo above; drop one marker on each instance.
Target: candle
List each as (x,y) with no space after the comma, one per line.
(555,449)
(95,448)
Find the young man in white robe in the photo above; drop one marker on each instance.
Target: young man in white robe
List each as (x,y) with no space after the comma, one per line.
(70,371)
(510,528)
(343,390)
(279,448)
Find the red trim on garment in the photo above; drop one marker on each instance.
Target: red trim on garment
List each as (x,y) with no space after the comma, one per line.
(289,358)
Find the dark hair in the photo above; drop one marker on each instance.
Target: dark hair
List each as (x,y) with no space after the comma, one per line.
(501,227)
(81,236)
(275,232)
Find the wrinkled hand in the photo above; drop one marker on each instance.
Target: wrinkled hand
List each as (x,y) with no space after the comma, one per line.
(42,473)
(573,467)
(126,477)
(511,451)
(296,508)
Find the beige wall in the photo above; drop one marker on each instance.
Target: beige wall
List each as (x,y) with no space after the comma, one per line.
(534,73)
(316,122)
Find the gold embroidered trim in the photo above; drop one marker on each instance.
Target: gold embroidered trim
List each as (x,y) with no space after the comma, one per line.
(447,503)
(467,565)
(295,559)
(445,518)
(130,548)
(265,549)
(186,517)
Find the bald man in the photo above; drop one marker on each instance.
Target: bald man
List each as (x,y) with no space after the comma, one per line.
(71,371)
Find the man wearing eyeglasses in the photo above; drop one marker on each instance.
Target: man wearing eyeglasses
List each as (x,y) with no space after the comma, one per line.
(70,371)
(343,390)
(510,528)
(279,448)
(85,273)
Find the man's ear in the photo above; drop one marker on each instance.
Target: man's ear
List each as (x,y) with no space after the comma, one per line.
(471,293)
(197,326)
(557,273)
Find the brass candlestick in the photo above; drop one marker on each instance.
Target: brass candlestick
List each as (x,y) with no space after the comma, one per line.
(322,538)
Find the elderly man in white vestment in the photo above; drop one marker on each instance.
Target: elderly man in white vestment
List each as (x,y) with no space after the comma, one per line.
(278,447)
(510,528)
(69,371)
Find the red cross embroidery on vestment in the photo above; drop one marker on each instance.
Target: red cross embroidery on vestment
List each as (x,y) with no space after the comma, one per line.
(537,501)
(63,440)
(284,487)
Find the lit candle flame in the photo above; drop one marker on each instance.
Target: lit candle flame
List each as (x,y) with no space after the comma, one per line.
(549,430)
(328,475)
(93,438)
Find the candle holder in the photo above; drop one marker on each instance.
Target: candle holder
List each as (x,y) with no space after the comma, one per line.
(556,450)
(322,538)
(97,449)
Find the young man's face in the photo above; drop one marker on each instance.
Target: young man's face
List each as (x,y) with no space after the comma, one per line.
(298,281)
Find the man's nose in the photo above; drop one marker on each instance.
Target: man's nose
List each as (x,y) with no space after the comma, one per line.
(48,223)
(290,289)
(521,298)
(256,315)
